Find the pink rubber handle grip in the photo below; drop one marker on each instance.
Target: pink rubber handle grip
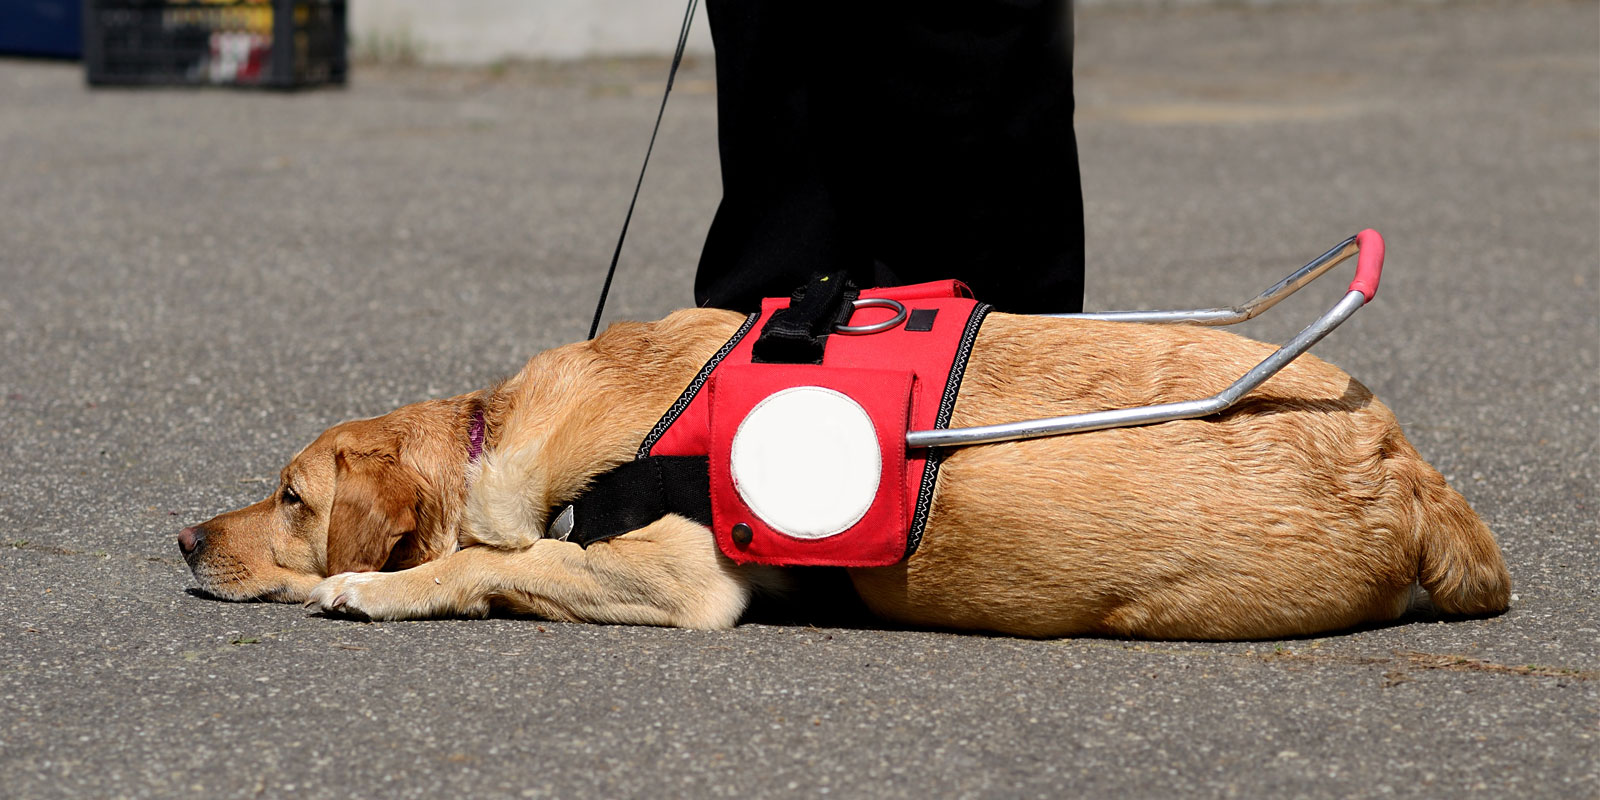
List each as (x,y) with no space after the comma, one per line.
(1369,265)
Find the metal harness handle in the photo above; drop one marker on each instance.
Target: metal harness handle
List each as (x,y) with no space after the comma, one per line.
(1369,269)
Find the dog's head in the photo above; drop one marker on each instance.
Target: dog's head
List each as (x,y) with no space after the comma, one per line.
(374,494)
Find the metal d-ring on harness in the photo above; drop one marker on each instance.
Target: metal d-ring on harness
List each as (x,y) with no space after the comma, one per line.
(1369,268)
(874,302)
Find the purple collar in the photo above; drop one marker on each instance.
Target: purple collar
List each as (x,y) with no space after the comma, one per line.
(475,437)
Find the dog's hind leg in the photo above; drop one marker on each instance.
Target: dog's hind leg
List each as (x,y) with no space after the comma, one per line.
(667,573)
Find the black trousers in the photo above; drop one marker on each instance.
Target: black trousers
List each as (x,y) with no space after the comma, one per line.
(898,140)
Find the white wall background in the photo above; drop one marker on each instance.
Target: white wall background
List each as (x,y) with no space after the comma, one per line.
(486,31)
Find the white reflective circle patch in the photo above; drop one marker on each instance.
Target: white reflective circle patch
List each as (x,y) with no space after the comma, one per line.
(806,461)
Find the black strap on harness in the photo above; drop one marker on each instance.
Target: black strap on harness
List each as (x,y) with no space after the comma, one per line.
(640,492)
(799,334)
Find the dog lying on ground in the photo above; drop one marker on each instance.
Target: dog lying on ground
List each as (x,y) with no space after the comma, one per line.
(1300,510)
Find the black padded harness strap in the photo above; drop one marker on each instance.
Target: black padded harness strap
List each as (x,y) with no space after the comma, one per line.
(798,334)
(640,492)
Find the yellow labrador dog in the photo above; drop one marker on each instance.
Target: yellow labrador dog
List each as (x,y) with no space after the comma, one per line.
(1302,509)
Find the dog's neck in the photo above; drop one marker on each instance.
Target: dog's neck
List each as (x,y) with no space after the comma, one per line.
(473,420)
(475,431)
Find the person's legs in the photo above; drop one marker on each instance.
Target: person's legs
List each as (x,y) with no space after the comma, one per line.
(777,224)
(900,142)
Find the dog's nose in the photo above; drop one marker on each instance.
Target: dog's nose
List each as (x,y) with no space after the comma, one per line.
(190,539)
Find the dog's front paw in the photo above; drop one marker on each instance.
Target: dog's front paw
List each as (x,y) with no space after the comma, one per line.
(416,593)
(348,593)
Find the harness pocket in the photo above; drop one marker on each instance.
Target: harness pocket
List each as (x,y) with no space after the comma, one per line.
(808,464)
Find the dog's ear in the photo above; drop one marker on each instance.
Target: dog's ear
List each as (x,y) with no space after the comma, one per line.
(374,507)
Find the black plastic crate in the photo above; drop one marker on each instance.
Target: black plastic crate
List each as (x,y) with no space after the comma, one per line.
(281,44)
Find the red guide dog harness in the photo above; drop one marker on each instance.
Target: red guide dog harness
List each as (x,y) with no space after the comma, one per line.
(791,445)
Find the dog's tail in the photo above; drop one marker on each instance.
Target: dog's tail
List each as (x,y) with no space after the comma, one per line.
(1460,563)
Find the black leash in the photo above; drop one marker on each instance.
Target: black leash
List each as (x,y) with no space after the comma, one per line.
(677,58)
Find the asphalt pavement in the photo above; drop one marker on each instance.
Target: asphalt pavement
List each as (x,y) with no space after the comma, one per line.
(194,283)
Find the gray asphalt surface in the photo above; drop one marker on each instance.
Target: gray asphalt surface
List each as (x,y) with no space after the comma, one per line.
(195,283)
